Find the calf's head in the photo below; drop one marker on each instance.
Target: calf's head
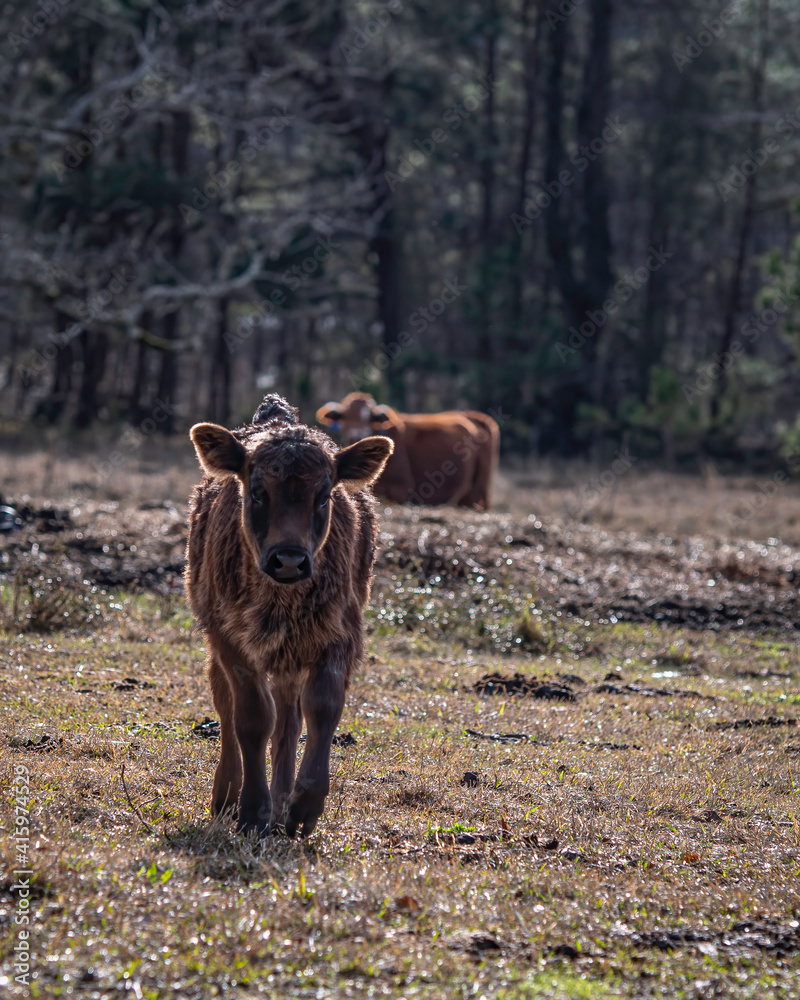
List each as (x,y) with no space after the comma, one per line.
(357,416)
(286,482)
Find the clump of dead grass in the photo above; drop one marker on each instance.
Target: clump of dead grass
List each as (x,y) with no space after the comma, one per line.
(48,600)
(530,634)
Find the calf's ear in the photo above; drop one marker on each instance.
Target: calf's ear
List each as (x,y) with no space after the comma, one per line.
(360,465)
(217,449)
(330,415)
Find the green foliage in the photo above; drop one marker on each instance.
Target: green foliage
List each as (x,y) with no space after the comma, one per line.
(790,439)
(666,409)
(784,291)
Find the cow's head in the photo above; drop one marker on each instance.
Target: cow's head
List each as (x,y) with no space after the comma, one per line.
(357,416)
(288,477)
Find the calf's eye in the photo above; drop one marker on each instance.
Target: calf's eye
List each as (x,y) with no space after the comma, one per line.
(257,499)
(324,503)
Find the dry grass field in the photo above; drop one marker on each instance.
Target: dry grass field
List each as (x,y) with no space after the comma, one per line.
(570,767)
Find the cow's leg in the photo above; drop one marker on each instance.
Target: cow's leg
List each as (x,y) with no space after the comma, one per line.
(322,702)
(228,776)
(462,486)
(254,720)
(288,723)
(461,494)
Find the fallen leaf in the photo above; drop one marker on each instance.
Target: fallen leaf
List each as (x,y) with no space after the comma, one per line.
(406,904)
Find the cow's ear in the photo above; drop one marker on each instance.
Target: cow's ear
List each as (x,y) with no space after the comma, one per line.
(381,417)
(217,449)
(330,415)
(360,465)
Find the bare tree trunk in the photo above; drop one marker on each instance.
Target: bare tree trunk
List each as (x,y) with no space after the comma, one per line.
(592,113)
(167,391)
(219,378)
(61,386)
(168,375)
(135,414)
(373,140)
(581,292)
(734,300)
(224,362)
(94,351)
(383,245)
(486,244)
(490,133)
(531,37)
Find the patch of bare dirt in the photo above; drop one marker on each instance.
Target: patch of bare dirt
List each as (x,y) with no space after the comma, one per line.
(136,548)
(771,722)
(643,690)
(524,686)
(578,569)
(773,937)
(602,575)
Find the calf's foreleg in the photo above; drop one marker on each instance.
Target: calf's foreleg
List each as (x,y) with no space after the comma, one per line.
(228,776)
(288,723)
(254,720)
(322,703)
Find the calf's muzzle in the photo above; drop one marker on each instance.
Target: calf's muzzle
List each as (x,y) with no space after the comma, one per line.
(288,564)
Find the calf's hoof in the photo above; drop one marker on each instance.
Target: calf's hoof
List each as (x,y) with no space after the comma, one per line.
(254,818)
(223,807)
(303,813)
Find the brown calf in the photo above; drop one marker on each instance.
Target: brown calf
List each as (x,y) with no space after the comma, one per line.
(438,458)
(279,567)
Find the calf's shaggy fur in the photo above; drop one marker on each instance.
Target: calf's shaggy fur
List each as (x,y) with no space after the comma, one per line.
(279,567)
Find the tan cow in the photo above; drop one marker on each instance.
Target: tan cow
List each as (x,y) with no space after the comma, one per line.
(439,458)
